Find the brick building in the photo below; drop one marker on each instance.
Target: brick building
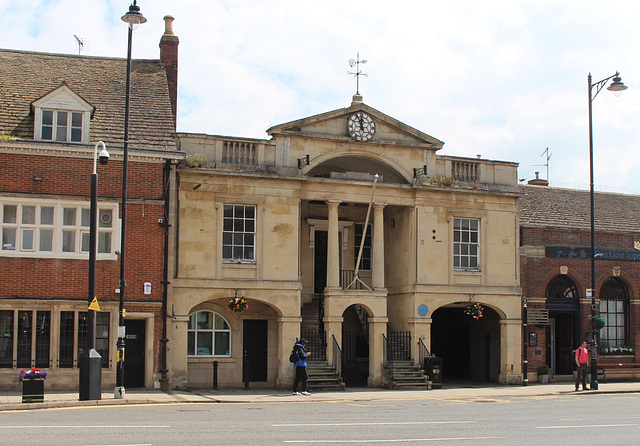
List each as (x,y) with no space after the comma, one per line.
(54,108)
(556,272)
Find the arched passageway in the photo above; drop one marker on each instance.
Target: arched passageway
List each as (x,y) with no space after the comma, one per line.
(355,346)
(469,347)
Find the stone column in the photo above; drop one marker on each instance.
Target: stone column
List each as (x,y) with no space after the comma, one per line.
(377,276)
(510,351)
(377,327)
(333,327)
(177,352)
(333,247)
(421,328)
(288,331)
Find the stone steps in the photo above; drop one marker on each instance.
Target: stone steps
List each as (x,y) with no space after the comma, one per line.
(323,377)
(406,375)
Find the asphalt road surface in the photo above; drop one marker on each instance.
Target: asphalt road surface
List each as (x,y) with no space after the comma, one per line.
(572,419)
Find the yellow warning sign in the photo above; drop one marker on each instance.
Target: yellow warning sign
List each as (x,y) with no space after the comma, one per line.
(94,305)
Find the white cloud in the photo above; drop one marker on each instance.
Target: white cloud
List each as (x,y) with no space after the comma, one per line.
(498,78)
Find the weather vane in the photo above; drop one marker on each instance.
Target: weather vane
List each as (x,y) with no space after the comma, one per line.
(356,63)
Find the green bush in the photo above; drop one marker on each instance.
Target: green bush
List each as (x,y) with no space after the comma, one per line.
(543,370)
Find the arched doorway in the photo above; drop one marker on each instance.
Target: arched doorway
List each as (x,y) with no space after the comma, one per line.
(563,304)
(355,346)
(469,347)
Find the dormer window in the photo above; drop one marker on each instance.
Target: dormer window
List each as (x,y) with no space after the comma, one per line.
(62,116)
(62,126)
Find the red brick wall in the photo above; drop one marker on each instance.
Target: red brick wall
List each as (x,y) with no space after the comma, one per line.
(536,272)
(69,178)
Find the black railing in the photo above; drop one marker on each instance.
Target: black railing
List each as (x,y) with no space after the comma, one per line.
(423,353)
(316,344)
(399,345)
(321,311)
(386,358)
(337,356)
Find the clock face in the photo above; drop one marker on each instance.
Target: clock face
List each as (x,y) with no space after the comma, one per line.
(361,127)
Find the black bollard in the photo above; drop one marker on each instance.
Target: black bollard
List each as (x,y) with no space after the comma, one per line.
(245,370)
(215,375)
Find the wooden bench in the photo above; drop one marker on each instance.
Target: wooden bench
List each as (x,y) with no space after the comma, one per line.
(617,368)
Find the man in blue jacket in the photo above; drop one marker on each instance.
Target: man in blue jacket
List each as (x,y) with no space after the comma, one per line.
(301,367)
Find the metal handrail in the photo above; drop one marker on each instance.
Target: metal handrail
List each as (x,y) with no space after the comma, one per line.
(423,352)
(386,354)
(337,356)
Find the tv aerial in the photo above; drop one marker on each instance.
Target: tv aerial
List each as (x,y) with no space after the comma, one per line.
(546,164)
(80,44)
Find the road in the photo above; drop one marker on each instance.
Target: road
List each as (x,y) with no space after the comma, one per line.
(572,419)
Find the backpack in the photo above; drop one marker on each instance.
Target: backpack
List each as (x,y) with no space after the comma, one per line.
(293,357)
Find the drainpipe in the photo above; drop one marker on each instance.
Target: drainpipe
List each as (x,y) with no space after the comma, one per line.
(166,180)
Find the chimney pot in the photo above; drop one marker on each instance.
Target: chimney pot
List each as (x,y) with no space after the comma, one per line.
(168,25)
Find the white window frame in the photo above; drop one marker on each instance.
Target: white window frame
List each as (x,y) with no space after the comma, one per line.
(213,331)
(62,100)
(234,233)
(368,244)
(108,228)
(60,133)
(465,245)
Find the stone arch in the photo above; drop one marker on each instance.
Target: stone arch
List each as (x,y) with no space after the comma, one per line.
(395,172)
(470,348)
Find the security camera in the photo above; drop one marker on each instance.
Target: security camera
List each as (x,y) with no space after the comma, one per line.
(117,252)
(103,157)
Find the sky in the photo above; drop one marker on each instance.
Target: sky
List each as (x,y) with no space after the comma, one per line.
(505,80)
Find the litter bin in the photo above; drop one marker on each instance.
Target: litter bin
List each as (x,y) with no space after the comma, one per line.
(433,368)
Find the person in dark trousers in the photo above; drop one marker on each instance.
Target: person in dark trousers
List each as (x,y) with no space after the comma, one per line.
(582,358)
(301,367)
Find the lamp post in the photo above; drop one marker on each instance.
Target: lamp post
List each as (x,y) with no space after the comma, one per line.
(90,386)
(133,18)
(617,87)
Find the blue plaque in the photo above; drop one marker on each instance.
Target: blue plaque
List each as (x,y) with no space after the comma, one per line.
(423,310)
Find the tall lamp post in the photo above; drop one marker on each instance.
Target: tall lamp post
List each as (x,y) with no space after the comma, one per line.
(617,87)
(90,386)
(133,18)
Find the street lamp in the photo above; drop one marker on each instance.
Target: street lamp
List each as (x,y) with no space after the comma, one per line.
(617,87)
(90,387)
(133,18)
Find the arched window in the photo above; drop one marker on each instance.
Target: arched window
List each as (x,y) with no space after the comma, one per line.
(562,287)
(614,308)
(208,334)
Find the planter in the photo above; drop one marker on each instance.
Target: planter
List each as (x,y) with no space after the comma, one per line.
(33,390)
(543,379)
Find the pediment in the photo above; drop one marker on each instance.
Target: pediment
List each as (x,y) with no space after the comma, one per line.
(63,98)
(333,125)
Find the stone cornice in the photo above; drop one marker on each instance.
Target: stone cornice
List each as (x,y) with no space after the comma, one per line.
(84,151)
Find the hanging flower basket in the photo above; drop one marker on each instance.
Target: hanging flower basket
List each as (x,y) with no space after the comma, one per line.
(237,304)
(474,310)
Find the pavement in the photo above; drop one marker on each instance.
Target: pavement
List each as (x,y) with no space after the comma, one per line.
(12,400)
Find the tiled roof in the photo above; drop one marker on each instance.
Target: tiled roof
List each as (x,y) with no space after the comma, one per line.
(26,76)
(565,208)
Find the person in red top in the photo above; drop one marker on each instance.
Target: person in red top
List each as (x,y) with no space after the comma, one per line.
(582,358)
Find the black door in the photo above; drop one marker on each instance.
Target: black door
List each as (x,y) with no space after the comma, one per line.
(320,262)
(134,353)
(254,346)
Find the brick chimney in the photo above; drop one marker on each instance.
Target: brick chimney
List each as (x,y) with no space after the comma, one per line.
(169,58)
